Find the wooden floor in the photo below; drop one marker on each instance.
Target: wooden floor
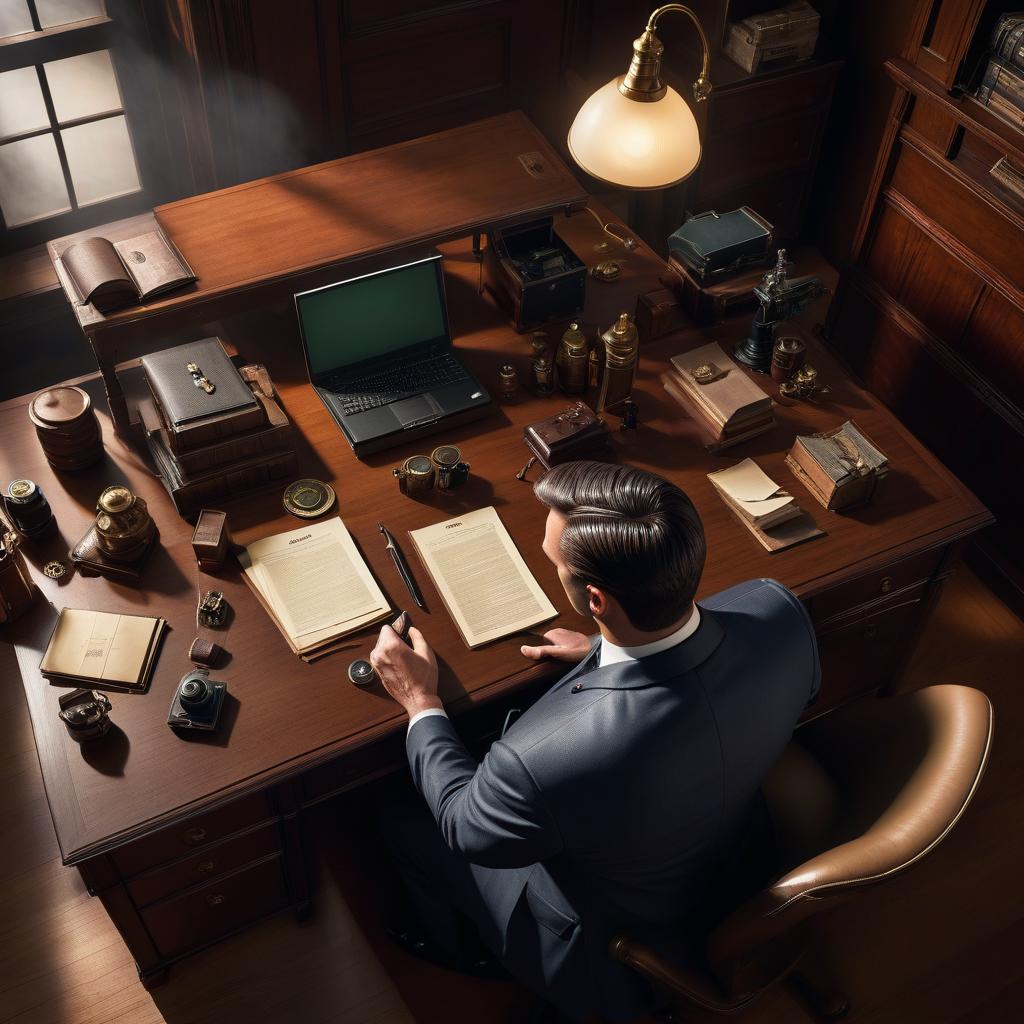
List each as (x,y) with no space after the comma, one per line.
(943,944)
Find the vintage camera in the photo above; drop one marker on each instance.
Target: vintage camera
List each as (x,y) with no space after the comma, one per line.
(197,702)
(85,714)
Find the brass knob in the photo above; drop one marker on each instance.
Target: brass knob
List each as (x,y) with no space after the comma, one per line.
(204,867)
(886,584)
(194,836)
(214,899)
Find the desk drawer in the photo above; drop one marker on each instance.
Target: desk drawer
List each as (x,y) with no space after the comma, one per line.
(874,586)
(864,652)
(205,865)
(196,833)
(360,765)
(184,923)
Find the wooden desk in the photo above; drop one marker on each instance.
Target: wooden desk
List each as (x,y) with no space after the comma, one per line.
(260,242)
(184,841)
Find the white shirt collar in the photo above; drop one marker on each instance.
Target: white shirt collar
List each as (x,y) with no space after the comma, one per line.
(611,653)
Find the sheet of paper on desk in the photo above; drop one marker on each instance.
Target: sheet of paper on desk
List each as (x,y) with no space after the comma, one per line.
(486,586)
(315,582)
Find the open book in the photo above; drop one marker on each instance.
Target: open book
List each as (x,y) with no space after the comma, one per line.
(112,275)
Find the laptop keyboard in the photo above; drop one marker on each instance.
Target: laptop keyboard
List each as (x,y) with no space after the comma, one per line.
(402,381)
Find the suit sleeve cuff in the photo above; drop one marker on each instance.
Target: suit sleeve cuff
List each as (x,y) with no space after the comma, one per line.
(425,714)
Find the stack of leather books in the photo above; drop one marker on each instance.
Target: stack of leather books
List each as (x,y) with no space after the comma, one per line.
(214,432)
(727,406)
(841,467)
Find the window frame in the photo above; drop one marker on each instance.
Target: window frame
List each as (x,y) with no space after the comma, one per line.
(117,32)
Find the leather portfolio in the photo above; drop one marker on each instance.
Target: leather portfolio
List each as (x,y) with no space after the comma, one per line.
(713,244)
(184,399)
(576,433)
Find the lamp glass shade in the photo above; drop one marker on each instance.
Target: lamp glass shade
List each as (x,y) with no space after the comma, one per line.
(635,144)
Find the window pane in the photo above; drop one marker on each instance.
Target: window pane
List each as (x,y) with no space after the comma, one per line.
(101,160)
(21,102)
(63,12)
(83,85)
(14,17)
(31,181)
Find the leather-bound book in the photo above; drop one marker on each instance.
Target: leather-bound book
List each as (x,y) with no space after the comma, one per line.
(729,397)
(200,394)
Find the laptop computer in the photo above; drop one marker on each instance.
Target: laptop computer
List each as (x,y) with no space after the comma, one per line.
(379,354)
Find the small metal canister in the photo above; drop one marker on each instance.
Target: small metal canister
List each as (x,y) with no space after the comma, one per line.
(571,361)
(28,509)
(450,470)
(415,475)
(787,357)
(508,382)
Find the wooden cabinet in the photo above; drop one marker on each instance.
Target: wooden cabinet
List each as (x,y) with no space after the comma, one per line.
(931,312)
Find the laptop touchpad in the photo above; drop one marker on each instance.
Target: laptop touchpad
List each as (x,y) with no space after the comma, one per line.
(413,411)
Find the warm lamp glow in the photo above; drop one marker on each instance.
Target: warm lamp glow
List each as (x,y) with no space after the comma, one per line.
(634,144)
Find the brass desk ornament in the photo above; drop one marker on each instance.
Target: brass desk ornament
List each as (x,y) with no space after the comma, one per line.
(124,526)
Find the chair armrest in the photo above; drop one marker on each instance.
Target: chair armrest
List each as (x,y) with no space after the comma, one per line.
(681,981)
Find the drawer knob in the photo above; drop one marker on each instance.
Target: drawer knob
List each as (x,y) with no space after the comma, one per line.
(194,836)
(886,585)
(870,631)
(204,867)
(214,899)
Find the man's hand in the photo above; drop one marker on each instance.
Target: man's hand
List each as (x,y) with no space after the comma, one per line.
(565,645)
(409,674)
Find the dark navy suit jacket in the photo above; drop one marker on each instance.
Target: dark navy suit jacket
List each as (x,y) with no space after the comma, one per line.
(619,799)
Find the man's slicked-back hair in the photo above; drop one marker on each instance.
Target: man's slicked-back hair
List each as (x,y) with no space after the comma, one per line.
(631,533)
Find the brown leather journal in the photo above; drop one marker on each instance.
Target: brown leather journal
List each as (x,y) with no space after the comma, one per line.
(726,394)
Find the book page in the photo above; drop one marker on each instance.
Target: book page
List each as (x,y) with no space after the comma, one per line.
(315,581)
(153,265)
(484,582)
(93,263)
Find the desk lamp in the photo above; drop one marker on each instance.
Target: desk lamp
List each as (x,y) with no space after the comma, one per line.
(637,132)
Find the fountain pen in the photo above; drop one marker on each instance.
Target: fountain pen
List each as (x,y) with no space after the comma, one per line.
(401,566)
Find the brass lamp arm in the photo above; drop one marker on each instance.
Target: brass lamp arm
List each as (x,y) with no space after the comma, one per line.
(643,82)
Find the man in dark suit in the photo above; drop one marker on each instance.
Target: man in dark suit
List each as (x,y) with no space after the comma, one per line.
(627,797)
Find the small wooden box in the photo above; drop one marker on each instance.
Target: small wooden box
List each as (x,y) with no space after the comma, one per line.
(530,299)
(211,540)
(712,303)
(657,314)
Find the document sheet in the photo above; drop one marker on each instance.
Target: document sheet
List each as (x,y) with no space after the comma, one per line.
(481,577)
(315,583)
(102,647)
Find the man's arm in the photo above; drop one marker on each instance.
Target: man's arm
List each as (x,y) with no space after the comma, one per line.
(491,813)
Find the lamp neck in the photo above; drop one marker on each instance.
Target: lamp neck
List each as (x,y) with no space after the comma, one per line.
(643,80)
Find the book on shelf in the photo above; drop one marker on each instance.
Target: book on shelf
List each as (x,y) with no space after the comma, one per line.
(114,275)
(197,414)
(104,650)
(314,585)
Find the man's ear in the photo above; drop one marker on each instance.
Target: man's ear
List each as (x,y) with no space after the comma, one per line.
(598,601)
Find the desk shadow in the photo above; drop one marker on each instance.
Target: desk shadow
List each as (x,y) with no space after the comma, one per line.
(110,754)
(898,494)
(222,734)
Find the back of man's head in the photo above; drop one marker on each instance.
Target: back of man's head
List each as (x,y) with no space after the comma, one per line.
(632,534)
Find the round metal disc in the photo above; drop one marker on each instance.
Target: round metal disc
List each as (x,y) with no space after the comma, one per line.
(55,570)
(361,672)
(309,498)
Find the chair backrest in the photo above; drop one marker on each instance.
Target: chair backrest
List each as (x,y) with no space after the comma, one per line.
(895,776)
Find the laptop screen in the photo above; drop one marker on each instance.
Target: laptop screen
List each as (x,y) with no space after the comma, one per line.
(373,315)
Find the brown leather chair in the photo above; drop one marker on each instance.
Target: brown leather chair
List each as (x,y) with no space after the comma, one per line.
(859,796)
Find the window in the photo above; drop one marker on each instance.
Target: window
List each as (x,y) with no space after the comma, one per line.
(68,159)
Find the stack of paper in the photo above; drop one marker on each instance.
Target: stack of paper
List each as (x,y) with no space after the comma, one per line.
(486,586)
(315,585)
(102,650)
(770,514)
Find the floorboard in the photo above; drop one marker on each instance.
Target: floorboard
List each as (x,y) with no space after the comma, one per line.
(941,945)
